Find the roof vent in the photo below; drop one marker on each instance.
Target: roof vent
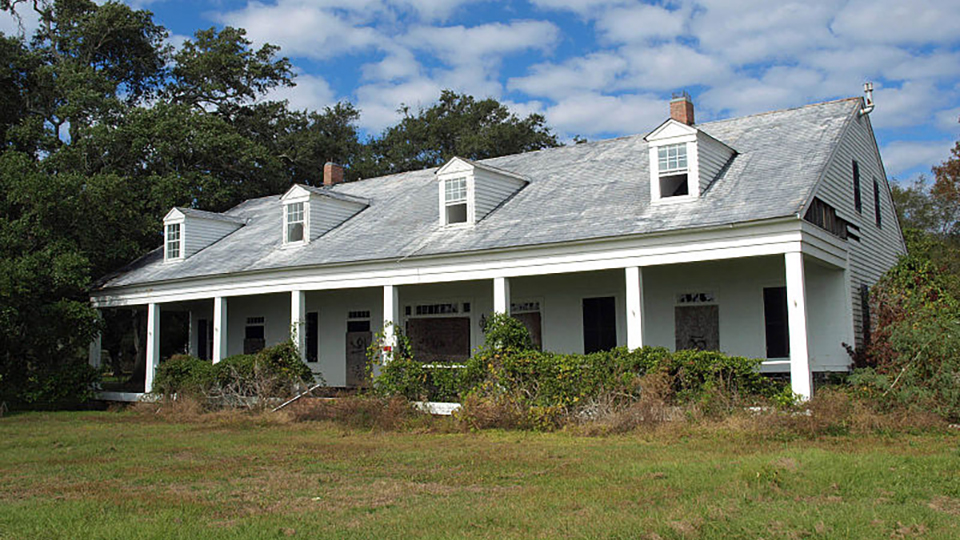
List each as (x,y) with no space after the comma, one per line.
(868,100)
(681,108)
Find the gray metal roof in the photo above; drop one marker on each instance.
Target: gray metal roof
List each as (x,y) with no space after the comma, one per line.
(211,215)
(580,192)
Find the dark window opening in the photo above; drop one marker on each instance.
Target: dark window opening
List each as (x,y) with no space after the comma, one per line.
(857,202)
(457,213)
(313,344)
(876,202)
(253,337)
(825,216)
(776,322)
(599,324)
(673,185)
(205,339)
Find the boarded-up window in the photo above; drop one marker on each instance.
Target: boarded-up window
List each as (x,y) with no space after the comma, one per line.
(825,216)
(697,327)
(775,322)
(357,344)
(599,324)
(532,321)
(440,339)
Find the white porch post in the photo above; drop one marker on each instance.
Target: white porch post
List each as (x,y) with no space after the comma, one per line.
(153,345)
(800,377)
(501,295)
(298,321)
(96,347)
(219,328)
(391,315)
(634,276)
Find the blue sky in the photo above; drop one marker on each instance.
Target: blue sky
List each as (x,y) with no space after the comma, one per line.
(603,68)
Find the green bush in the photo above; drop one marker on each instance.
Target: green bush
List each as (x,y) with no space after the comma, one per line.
(913,358)
(66,385)
(274,371)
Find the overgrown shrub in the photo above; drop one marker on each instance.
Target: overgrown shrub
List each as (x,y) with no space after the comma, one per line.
(361,412)
(913,358)
(236,380)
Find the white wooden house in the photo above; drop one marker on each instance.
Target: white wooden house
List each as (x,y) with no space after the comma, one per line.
(756,236)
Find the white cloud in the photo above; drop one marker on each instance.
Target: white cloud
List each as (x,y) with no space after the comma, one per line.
(902,156)
(671,67)
(641,22)
(912,104)
(378,103)
(583,7)
(399,64)
(899,22)
(949,120)
(460,44)
(304,28)
(593,72)
(595,114)
(311,92)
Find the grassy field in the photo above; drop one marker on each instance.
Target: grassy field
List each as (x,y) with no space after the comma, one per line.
(126,475)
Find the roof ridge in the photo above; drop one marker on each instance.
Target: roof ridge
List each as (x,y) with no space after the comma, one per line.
(754,115)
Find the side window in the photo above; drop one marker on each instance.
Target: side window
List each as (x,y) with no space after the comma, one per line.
(599,324)
(455,200)
(857,202)
(313,329)
(254,338)
(876,202)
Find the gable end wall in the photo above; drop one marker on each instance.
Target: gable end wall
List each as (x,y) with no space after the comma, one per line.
(878,248)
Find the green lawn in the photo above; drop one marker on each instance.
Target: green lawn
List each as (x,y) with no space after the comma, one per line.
(122,475)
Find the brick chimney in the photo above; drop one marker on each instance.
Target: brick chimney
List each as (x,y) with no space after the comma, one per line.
(681,108)
(332,174)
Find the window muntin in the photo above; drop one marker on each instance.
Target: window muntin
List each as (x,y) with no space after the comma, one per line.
(455,200)
(672,158)
(295,222)
(173,241)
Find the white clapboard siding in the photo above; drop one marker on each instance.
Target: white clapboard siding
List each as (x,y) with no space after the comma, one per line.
(712,156)
(326,213)
(491,190)
(198,232)
(879,247)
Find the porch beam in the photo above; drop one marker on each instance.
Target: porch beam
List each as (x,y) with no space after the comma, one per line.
(634,290)
(219,328)
(153,345)
(801,381)
(501,295)
(298,321)
(391,315)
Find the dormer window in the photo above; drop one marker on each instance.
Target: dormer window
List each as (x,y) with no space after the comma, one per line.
(673,172)
(295,222)
(455,200)
(172,242)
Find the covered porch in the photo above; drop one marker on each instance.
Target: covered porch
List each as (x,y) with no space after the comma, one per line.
(791,309)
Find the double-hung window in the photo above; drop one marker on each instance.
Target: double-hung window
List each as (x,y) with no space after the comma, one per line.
(673,170)
(295,222)
(173,241)
(455,200)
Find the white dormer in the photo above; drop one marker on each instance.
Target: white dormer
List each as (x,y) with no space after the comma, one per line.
(187,231)
(469,191)
(309,212)
(684,160)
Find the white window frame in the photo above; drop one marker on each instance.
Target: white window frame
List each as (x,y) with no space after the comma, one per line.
(167,256)
(304,220)
(670,171)
(465,199)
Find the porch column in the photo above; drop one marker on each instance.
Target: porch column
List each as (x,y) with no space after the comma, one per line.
(800,378)
(219,328)
(96,347)
(391,316)
(634,275)
(501,295)
(153,345)
(298,321)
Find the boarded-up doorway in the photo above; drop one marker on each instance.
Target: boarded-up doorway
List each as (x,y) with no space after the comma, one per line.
(697,327)
(440,339)
(359,338)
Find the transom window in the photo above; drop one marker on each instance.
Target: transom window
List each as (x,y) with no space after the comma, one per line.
(455,200)
(673,158)
(295,222)
(173,241)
